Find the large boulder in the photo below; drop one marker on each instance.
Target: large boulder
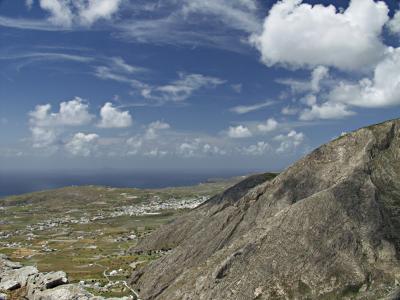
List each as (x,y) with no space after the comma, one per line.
(9,285)
(328,227)
(63,292)
(44,281)
(6,264)
(18,276)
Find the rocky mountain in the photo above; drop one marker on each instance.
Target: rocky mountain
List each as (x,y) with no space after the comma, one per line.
(328,227)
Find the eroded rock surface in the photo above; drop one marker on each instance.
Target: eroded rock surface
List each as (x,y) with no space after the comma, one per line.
(28,283)
(328,227)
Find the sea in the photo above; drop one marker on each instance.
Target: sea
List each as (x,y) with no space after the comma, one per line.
(20,182)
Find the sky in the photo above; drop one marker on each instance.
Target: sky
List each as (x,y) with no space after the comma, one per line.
(190,84)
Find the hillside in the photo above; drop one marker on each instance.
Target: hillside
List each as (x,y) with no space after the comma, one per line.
(85,231)
(328,227)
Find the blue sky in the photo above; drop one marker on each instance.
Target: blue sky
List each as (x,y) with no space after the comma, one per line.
(190,84)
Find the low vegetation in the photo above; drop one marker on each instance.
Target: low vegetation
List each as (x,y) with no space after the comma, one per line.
(86,231)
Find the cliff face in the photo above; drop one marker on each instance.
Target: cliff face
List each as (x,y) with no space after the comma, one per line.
(326,228)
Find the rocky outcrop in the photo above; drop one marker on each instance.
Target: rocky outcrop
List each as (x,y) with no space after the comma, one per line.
(28,283)
(328,227)
(40,282)
(13,275)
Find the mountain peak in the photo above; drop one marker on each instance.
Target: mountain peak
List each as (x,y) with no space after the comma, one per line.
(327,227)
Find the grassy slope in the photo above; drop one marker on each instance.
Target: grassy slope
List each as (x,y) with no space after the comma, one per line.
(84,251)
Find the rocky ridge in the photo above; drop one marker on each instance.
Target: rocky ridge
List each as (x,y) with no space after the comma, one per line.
(19,282)
(328,227)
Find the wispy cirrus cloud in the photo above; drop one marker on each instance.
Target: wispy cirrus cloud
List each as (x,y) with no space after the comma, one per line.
(38,56)
(244,109)
(119,70)
(113,68)
(177,90)
(107,73)
(220,23)
(182,88)
(30,24)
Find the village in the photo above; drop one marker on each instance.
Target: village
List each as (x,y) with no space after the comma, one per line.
(90,239)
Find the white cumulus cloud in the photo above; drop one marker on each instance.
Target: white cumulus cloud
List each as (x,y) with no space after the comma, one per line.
(317,75)
(156,152)
(198,148)
(45,125)
(394,23)
(134,145)
(259,148)
(327,110)
(289,111)
(238,132)
(381,91)
(29,4)
(112,117)
(82,144)
(92,10)
(71,113)
(270,125)
(289,142)
(43,137)
(66,13)
(188,149)
(302,35)
(154,128)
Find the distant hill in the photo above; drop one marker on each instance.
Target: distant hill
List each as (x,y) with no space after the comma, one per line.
(76,196)
(326,228)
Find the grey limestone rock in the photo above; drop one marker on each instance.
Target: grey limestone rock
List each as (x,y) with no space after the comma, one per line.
(20,275)
(30,284)
(9,285)
(328,227)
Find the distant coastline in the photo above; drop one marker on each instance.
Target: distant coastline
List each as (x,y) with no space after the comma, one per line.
(20,182)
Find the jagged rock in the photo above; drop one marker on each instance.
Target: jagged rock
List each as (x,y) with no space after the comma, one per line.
(32,285)
(6,264)
(69,292)
(54,279)
(11,264)
(18,275)
(9,285)
(328,227)
(40,282)
(63,292)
